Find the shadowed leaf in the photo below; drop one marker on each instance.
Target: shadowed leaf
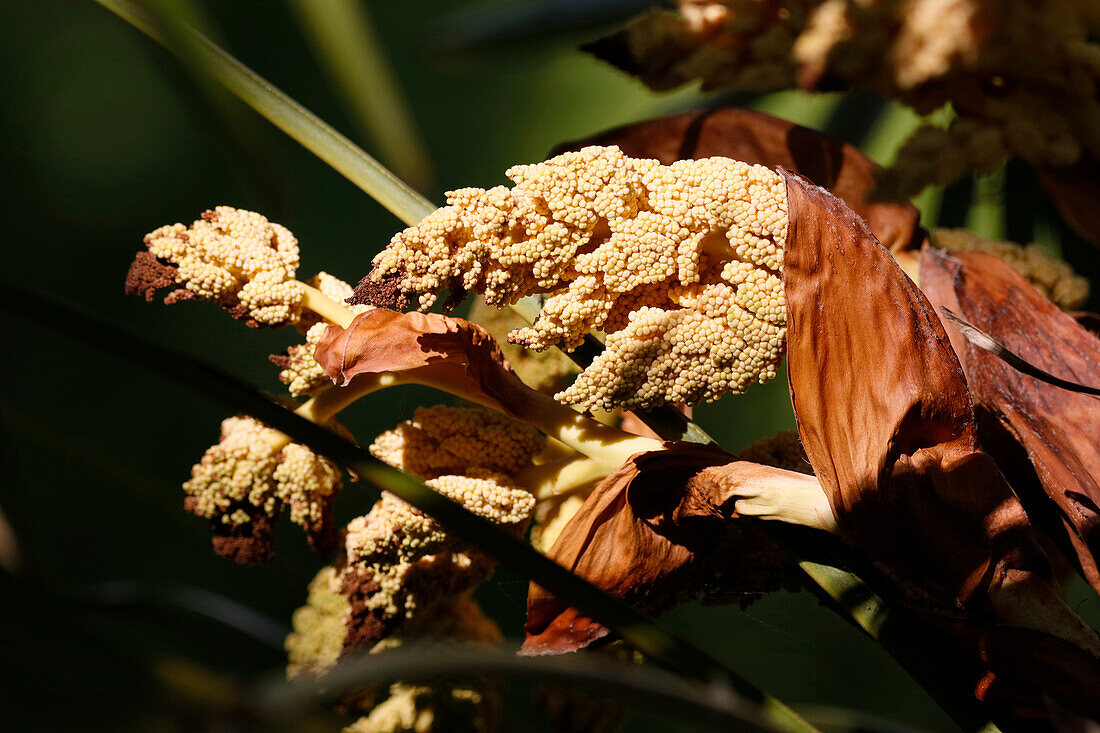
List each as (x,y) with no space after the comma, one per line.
(887,422)
(1057,428)
(1075,189)
(655,533)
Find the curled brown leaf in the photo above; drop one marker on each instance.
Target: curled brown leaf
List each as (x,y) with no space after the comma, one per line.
(1059,477)
(427,348)
(888,424)
(655,533)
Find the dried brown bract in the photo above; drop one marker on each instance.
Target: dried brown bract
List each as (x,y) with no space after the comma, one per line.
(654,533)
(424,348)
(888,424)
(1057,473)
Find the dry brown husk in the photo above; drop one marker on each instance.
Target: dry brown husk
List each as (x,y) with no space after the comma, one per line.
(431,348)
(1057,473)
(887,421)
(758,138)
(656,533)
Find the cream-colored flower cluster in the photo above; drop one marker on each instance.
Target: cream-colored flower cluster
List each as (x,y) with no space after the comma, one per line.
(468,455)
(253,472)
(322,634)
(996,63)
(402,576)
(440,440)
(413,560)
(679,264)
(238,259)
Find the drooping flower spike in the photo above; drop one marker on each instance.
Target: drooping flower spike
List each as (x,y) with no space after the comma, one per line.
(402,576)
(244,481)
(237,259)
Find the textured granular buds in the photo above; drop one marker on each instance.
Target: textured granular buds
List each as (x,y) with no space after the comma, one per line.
(300,371)
(679,264)
(233,257)
(242,483)
(324,631)
(410,559)
(1053,278)
(450,440)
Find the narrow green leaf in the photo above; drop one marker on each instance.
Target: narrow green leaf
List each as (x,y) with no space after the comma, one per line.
(634,627)
(343,36)
(290,117)
(907,642)
(645,688)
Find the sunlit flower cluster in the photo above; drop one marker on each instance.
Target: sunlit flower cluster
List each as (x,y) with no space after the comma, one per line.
(679,264)
(237,259)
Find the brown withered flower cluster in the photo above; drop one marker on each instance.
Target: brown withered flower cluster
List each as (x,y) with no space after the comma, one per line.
(953,483)
(996,63)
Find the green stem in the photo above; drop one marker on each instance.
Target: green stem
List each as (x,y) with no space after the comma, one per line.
(609,447)
(986,216)
(327,403)
(290,117)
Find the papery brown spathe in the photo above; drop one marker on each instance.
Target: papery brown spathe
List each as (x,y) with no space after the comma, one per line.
(1059,478)
(429,349)
(758,138)
(655,533)
(884,412)
(888,425)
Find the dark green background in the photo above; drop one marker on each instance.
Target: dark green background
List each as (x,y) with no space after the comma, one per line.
(103,139)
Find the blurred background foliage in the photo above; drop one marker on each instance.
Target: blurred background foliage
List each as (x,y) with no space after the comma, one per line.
(120,615)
